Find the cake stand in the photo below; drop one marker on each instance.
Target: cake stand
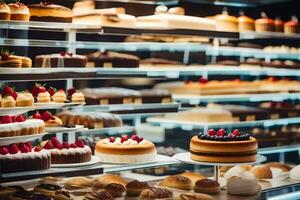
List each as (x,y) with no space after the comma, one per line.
(185,158)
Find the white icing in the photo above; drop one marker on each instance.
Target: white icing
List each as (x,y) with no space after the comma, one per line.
(29,123)
(138,158)
(19,155)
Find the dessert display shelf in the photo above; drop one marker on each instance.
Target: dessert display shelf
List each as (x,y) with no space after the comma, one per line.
(17,139)
(171,123)
(109,131)
(241,3)
(86,170)
(196,99)
(267,35)
(77,128)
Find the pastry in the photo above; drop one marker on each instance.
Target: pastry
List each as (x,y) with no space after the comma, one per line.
(134,188)
(43,97)
(47,189)
(278,25)
(7,102)
(78,97)
(225,22)
(59,96)
(295,173)
(110,59)
(245,23)
(9,60)
(22,157)
(79,182)
(264,24)
(62,195)
(194,177)
(261,172)
(292,26)
(4,12)
(126,149)
(49,12)
(235,171)
(83,6)
(281,166)
(65,153)
(97,195)
(177,182)
(161,9)
(115,189)
(6,192)
(153,193)
(207,186)
(102,181)
(218,146)
(50,120)
(197,196)
(50,180)
(60,60)
(243,184)
(19,11)
(24,99)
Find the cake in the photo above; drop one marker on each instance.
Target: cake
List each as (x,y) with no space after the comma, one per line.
(108,59)
(49,119)
(245,23)
(49,12)
(18,125)
(292,26)
(9,60)
(19,11)
(278,25)
(43,97)
(126,149)
(222,147)
(226,22)
(59,96)
(22,157)
(24,100)
(4,12)
(8,102)
(60,60)
(93,120)
(65,153)
(264,24)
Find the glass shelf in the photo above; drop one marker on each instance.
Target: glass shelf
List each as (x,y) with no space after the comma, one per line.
(267,35)
(282,149)
(237,3)
(171,123)
(197,99)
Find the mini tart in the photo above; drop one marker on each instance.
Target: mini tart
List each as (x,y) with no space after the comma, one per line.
(227,151)
(12,62)
(19,11)
(59,97)
(43,97)
(177,182)
(24,100)
(207,186)
(78,97)
(50,13)
(245,23)
(56,122)
(7,102)
(4,12)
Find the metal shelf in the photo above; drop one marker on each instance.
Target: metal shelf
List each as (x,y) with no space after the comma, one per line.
(171,123)
(197,99)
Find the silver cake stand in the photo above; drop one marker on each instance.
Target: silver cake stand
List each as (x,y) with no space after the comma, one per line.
(185,158)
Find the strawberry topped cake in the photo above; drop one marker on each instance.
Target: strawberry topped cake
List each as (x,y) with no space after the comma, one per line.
(23,157)
(126,149)
(49,119)
(65,153)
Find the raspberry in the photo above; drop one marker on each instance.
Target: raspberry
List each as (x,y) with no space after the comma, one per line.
(112,139)
(71,91)
(3,150)
(47,116)
(66,145)
(20,118)
(236,132)
(24,149)
(37,115)
(79,143)
(135,137)
(28,145)
(73,145)
(6,119)
(59,146)
(55,141)
(49,145)
(124,138)
(211,132)
(13,149)
(221,132)
(139,139)
(51,91)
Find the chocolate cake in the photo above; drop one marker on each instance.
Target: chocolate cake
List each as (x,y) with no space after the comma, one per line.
(112,59)
(62,59)
(156,96)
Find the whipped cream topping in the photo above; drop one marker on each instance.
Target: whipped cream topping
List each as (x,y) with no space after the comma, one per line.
(85,149)
(127,142)
(41,154)
(29,123)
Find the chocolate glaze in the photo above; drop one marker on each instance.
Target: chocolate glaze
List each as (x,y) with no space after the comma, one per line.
(207,183)
(103,195)
(137,185)
(159,192)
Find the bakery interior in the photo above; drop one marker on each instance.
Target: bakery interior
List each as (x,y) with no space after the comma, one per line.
(149,99)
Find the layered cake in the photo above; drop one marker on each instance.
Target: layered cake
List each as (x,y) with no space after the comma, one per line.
(14,61)
(49,119)
(90,120)
(226,22)
(62,59)
(108,59)
(218,146)
(18,125)
(19,11)
(4,12)
(49,12)
(65,153)
(22,157)
(125,149)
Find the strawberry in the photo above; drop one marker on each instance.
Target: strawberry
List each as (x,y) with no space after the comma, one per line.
(47,116)
(7,91)
(20,118)
(203,80)
(59,146)
(37,149)
(6,119)
(135,137)
(29,146)
(140,139)
(38,89)
(56,143)
(211,132)
(71,91)
(112,139)
(37,115)
(79,143)
(51,91)
(14,95)
(73,145)
(235,132)
(24,149)
(221,132)
(66,145)
(49,145)
(13,149)
(124,138)
(3,150)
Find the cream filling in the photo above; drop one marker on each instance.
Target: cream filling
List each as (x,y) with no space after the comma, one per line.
(139,158)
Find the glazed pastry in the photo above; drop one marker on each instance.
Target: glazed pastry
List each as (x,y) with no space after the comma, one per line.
(78,183)
(197,196)
(24,99)
(115,189)
(4,12)
(264,24)
(97,195)
(278,25)
(261,172)
(44,97)
(47,189)
(177,182)
(78,97)
(8,101)
(207,186)
(19,11)
(59,97)
(134,188)
(106,179)
(245,23)
(62,195)
(292,26)
(194,177)
(153,193)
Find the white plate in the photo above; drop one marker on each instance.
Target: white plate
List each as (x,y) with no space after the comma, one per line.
(185,158)
(63,129)
(93,161)
(17,139)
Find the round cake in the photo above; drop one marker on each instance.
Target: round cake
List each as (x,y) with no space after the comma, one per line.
(126,150)
(222,147)
(19,11)
(4,12)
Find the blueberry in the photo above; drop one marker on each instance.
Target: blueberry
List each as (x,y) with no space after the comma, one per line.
(212,137)
(207,137)
(226,138)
